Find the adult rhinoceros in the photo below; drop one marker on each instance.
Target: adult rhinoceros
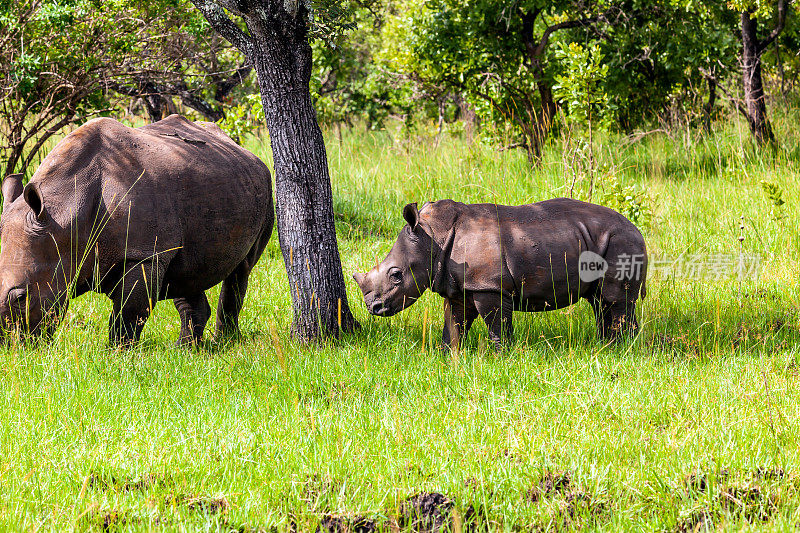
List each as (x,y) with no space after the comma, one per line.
(164,211)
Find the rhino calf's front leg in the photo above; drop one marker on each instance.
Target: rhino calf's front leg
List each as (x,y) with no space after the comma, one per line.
(497,311)
(458,318)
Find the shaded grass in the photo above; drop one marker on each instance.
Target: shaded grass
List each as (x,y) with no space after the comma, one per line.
(346,432)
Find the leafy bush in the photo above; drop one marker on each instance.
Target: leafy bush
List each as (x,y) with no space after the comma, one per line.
(631,200)
(243,119)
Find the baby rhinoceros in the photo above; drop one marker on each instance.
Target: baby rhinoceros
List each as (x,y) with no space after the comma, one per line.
(164,211)
(491,260)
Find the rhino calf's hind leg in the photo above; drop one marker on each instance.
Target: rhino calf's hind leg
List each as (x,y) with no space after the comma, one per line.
(231,299)
(194,312)
(615,319)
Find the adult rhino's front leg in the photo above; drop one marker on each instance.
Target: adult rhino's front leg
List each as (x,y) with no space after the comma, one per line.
(497,311)
(134,296)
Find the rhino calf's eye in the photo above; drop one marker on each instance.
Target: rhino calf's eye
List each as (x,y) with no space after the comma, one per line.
(396,277)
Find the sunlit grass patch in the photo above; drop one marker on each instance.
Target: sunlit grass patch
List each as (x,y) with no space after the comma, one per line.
(692,423)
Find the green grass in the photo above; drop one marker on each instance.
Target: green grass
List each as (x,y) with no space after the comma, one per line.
(263,434)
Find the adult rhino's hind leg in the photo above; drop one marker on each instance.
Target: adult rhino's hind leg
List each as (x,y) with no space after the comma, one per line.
(194,312)
(231,299)
(231,295)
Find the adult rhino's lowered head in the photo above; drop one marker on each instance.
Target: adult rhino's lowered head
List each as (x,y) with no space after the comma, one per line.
(491,260)
(164,211)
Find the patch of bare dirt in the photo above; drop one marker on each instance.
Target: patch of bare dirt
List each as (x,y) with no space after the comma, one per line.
(426,512)
(770,474)
(574,504)
(698,481)
(115,520)
(550,484)
(314,488)
(206,504)
(196,502)
(578,500)
(346,524)
(749,502)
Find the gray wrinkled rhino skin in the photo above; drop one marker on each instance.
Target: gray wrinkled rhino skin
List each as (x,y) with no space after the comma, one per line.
(164,211)
(491,260)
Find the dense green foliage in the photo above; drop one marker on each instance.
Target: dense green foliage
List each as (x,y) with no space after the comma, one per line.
(53,60)
(476,64)
(62,63)
(663,59)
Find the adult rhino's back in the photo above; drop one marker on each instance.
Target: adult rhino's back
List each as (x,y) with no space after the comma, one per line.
(221,193)
(179,186)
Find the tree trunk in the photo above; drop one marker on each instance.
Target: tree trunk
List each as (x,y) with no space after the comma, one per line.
(14,158)
(753,84)
(708,109)
(542,123)
(276,44)
(154,104)
(304,199)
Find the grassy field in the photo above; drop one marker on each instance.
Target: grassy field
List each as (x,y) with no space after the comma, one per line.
(691,425)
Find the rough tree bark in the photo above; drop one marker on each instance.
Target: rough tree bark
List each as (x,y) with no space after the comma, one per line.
(276,44)
(752,49)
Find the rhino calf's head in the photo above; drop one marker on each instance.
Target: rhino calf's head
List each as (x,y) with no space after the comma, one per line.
(400,279)
(32,292)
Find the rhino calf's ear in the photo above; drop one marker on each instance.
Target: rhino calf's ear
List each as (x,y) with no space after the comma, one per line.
(411,214)
(34,199)
(12,188)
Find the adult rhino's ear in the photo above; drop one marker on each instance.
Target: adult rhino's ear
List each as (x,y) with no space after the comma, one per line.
(12,188)
(411,214)
(33,197)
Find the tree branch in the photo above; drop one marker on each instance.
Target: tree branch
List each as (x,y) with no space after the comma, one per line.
(735,102)
(49,132)
(779,25)
(224,87)
(215,15)
(567,24)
